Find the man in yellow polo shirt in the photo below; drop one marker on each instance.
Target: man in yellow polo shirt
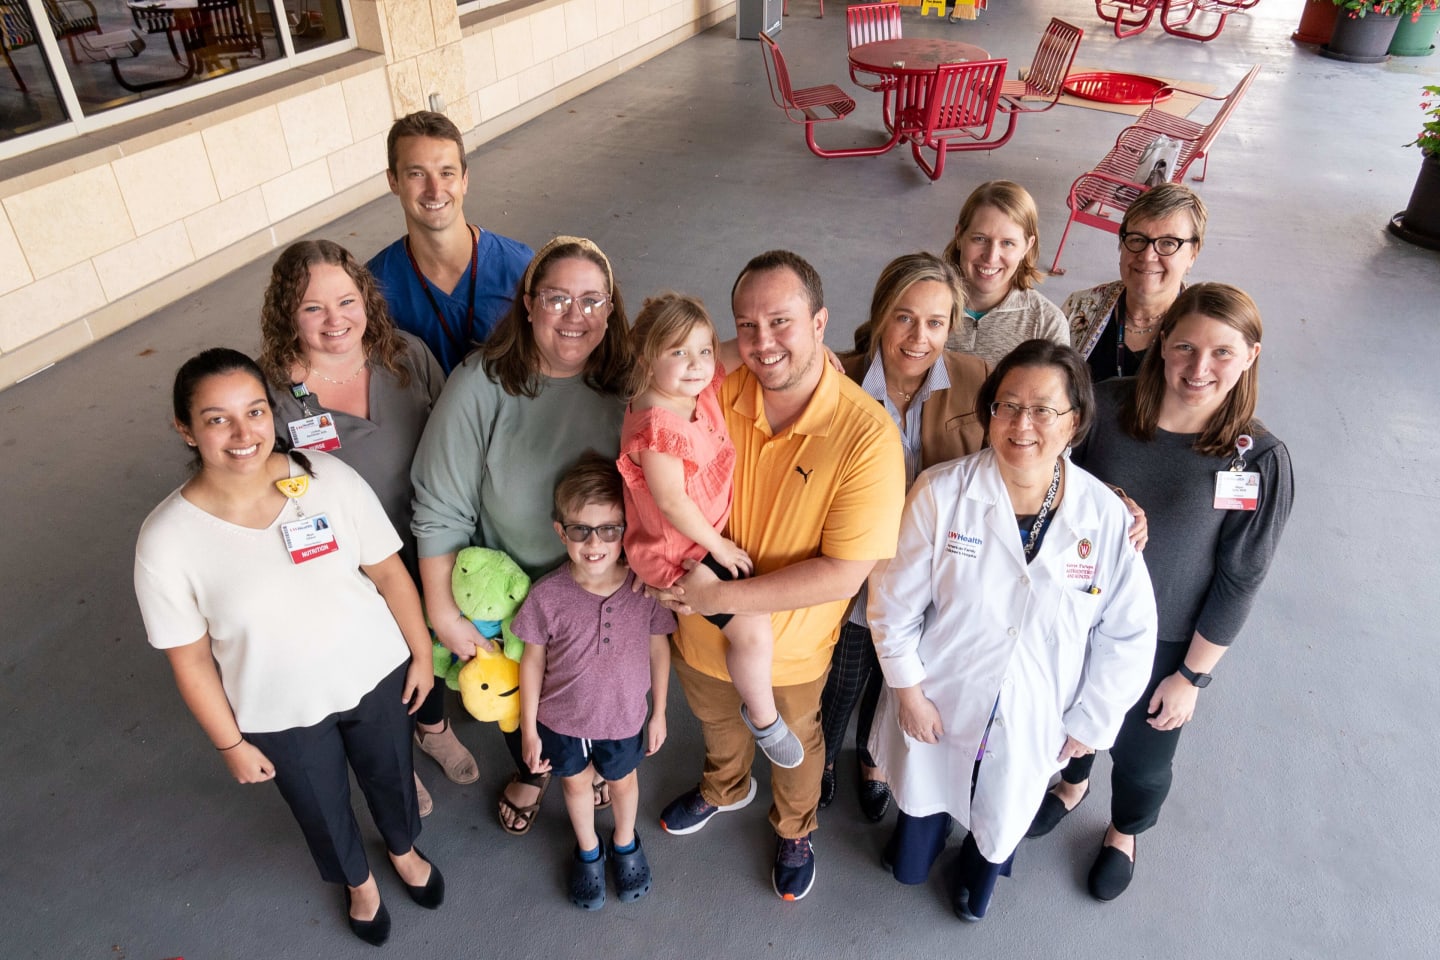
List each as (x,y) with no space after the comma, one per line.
(819,487)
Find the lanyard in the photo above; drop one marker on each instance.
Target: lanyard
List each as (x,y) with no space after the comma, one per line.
(302,393)
(1043,516)
(459,343)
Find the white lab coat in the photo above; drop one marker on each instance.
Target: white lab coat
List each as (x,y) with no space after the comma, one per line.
(959,612)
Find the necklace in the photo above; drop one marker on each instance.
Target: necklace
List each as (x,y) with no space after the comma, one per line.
(907,397)
(350,379)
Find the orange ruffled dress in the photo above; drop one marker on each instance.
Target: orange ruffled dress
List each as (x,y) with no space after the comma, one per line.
(654,549)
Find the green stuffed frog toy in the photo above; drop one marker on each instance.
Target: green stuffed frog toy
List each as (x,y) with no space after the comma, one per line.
(488,587)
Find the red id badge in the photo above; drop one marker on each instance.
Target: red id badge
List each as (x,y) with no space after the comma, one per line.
(1237,490)
(308,538)
(315,433)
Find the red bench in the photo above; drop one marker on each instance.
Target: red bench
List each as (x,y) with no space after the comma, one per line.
(1099,197)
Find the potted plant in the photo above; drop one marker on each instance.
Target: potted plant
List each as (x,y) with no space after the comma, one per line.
(1317,22)
(1363,30)
(1420,221)
(1415,36)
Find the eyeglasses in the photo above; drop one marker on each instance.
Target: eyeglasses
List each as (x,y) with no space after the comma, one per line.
(1040,416)
(558,303)
(1164,246)
(579,532)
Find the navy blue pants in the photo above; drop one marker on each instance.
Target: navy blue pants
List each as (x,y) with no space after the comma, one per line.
(372,738)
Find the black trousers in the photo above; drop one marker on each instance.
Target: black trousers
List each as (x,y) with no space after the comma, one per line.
(855,677)
(432,709)
(373,737)
(1141,760)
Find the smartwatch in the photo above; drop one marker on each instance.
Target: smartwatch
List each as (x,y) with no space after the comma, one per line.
(1201,680)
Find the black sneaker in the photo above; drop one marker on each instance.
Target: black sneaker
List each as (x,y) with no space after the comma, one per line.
(690,811)
(794,872)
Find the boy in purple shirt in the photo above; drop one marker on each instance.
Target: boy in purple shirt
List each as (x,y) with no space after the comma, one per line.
(593,647)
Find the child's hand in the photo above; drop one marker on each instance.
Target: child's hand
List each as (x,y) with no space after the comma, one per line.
(530,752)
(734,559)
(656,734)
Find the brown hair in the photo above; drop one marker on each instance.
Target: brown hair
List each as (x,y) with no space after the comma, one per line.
(1043,353)
(423,123)
(280,349)
(1231,306)
(1159,202)
(808,276)
(593,479)
(900,275)
(664,321)
(1016,203)
(510,355)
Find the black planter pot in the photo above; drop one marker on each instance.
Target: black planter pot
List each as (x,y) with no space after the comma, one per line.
(1362,39)
(1420,222)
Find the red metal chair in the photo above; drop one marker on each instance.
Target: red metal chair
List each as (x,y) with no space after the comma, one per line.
(961,102)
(870,23)
(812,105)
(1045,80)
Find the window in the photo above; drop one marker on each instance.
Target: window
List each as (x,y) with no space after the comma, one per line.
(112,54)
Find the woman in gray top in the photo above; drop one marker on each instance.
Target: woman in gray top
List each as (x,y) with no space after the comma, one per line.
(348,381)
(512,419)
(1183,440)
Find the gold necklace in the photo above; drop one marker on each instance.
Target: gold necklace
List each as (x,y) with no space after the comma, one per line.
(907,397)
(349,379)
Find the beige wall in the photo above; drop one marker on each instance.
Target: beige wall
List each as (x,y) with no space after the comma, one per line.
(98,232)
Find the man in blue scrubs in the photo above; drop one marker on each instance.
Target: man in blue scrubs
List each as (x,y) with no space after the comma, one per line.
(446,281)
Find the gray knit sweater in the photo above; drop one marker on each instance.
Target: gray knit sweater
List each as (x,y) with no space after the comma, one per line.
(1206,564)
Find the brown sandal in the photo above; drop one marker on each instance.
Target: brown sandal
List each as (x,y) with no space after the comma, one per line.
(516,813)
(601,788)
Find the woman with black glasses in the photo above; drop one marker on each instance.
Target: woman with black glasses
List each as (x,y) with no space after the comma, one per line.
(1015,626)
(511,420)
(1112,325)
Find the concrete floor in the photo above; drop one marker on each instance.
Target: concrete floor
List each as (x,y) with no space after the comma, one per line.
(123,837)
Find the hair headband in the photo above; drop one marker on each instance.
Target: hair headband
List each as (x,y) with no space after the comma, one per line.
(584,244)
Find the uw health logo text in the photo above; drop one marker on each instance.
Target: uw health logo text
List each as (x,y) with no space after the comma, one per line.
(962,544)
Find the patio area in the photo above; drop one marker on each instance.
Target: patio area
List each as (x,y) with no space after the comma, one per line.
(124,837)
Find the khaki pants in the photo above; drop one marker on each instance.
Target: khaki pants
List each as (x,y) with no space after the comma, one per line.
(730,747)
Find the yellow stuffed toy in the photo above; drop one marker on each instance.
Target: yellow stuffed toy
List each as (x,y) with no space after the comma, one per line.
(490,688)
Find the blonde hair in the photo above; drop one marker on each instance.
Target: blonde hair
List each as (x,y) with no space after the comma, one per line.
(900,275)
(664,321)
(1016,203)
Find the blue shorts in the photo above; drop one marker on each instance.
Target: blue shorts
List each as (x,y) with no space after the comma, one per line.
(568,756)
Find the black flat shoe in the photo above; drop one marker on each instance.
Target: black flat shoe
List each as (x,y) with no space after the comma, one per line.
(1052,811)
(432,894)
(874,799)
(374,931)
(1111,873)
(827,787)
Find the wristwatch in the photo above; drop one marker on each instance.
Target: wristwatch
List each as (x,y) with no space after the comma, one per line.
(1201,680)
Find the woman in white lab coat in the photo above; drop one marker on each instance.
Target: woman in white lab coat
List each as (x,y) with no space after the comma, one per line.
(1015,626)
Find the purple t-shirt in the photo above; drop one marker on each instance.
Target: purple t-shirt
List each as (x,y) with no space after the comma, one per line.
(597,654)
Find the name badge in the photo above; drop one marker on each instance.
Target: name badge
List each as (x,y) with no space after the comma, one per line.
(1237,490)
(308,538)
(315,433)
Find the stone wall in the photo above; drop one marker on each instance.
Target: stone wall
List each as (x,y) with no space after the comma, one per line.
(99,231)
